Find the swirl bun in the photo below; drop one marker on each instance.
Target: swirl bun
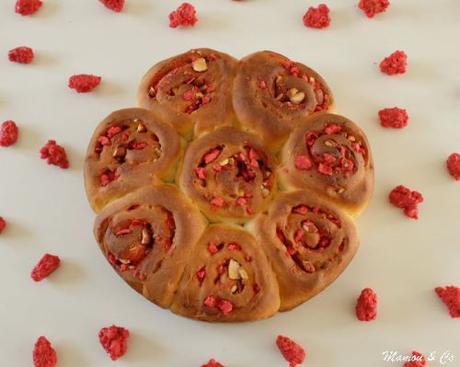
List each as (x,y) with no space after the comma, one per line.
(227,278)
(309,243)
(146,235)
(191,90)
(128,150)
(228,174)
(330,155)
(271,93)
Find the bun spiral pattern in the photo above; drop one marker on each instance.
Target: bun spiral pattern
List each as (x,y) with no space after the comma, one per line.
(191,90)
(309,243)
(147,237)
(129,148)
(212,226)
(271,93)
(227,278)
(229,174)
(330,155)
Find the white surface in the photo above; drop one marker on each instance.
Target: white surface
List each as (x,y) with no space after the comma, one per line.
(403,260)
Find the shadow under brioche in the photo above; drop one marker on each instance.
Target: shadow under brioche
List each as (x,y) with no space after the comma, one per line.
(236,235)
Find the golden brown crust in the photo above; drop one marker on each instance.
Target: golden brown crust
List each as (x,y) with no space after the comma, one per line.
(272,92)
(292,244)
(227,279)
(308,242)
(228,174)
(193,95)
(128,149)
(148,236)
(330,155)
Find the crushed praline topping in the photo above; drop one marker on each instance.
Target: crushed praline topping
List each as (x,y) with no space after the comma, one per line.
(304,233)
(243,168)
(131,241)
(327,153)
(186,79)
(125,142)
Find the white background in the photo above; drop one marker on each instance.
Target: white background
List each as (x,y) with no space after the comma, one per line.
(402,259)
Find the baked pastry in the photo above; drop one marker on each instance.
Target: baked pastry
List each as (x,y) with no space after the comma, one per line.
(228,174)
(128,149)
(147,236)
(235,235)
(191,90)
(271,93)
(227,278)
(308,242)
(330,155)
